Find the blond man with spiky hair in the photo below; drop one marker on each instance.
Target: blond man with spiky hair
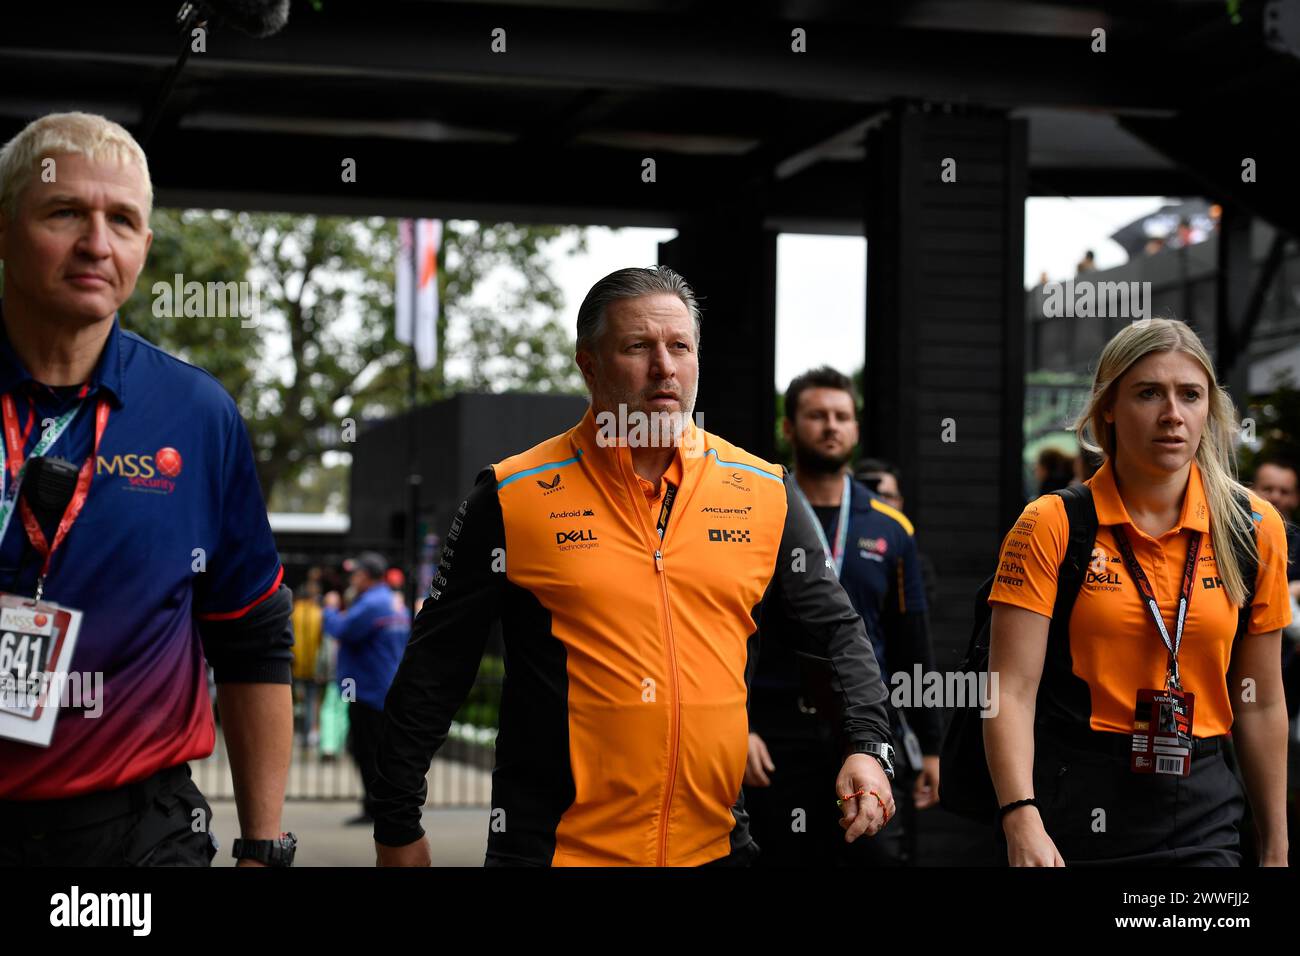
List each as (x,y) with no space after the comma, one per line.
(134,543)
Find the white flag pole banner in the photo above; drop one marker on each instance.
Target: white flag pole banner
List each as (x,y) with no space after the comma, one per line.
(404,298)
(428,238)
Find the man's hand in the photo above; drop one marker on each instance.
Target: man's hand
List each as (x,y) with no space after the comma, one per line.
(332,600)
(416,853)
(864,814)
(759,764)
(240,863)
(925,793)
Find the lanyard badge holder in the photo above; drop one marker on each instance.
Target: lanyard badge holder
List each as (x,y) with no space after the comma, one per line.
(1162,719)
(37,637)
(813,686)
(834,553)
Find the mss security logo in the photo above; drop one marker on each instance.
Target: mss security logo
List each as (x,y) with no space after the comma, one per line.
(155,474)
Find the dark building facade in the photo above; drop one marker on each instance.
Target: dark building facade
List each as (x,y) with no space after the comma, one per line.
(453,439)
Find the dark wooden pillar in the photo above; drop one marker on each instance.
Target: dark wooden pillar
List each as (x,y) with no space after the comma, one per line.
(945,338)
(730,262)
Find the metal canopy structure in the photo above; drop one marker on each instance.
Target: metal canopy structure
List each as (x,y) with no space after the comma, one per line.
(555,128)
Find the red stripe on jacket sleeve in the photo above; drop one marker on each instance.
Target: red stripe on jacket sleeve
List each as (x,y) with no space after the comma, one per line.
(231,615)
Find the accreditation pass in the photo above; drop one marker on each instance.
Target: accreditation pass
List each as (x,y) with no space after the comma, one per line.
(37,639)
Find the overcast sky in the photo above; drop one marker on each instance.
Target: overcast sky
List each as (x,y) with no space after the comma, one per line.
(821,280)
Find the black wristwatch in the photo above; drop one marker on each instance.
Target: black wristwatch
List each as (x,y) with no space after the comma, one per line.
(882,752)
(268,852)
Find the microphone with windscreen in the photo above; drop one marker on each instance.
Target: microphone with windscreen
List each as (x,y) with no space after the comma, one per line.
(256,18)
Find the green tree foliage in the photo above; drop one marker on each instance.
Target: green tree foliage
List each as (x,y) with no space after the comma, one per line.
(322,348)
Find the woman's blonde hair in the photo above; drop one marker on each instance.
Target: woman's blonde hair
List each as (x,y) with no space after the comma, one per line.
(82,134)
(1230,527)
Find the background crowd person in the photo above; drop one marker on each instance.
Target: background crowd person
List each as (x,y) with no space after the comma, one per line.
(1053,470)
(1277,482)
(885,479)
(371,635)
(308,651)
(792,715)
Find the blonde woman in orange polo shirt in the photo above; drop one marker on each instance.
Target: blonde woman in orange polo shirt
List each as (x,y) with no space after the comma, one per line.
(1107,747)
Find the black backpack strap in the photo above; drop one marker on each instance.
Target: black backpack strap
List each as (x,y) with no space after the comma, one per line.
(1063,697)
(1081,511)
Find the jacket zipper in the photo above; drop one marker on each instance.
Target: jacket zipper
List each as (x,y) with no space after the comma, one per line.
(675,714)
(660,532)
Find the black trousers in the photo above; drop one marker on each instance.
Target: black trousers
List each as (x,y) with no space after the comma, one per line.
(365,728)
(742,856)
(795,820)
(162,820)
(1099,813)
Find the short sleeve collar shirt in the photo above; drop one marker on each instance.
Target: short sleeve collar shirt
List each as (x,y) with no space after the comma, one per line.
(1114,645)
(174,530)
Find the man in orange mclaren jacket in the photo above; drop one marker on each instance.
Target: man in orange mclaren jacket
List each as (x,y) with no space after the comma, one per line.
(633,562)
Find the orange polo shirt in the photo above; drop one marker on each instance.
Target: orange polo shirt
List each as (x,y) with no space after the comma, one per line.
(655,496)
(1113,641)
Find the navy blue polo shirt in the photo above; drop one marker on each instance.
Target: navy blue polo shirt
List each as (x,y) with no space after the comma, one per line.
(880,566)
(880,563)
(173,530)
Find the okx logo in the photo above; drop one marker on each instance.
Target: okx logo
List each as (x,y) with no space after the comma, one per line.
(156,473)
(725,534)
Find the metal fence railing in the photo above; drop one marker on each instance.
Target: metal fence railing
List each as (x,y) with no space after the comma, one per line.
(460,775)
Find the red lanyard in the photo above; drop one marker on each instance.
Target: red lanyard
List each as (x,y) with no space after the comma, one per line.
(14,445)
(1172,676)
(14,457)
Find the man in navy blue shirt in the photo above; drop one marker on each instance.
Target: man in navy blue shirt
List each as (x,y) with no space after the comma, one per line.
(872,549)
(372,635)
(129,504)
(1278,482)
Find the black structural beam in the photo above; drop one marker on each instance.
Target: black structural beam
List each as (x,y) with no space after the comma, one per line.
(849,58)
(730,262)
(944,376)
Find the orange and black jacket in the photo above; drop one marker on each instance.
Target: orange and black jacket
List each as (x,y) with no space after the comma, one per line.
(623,722)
